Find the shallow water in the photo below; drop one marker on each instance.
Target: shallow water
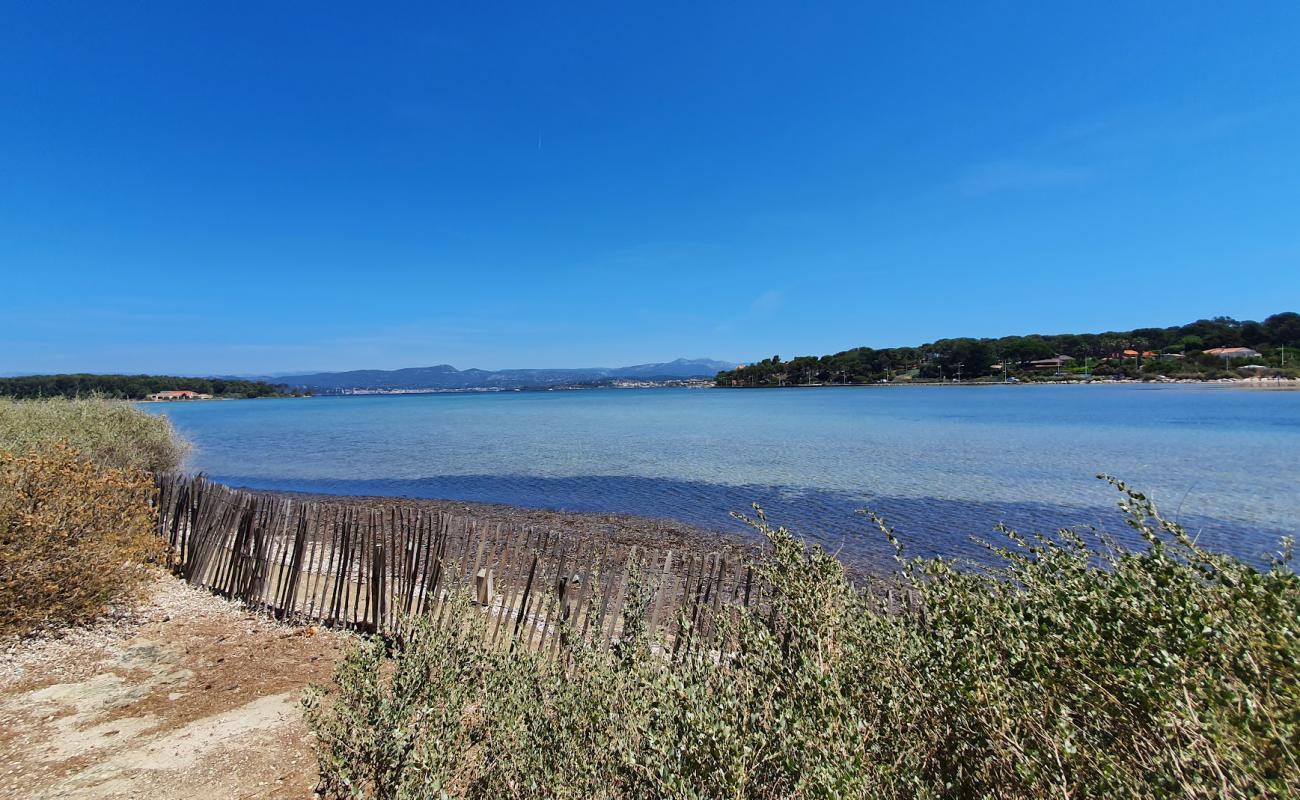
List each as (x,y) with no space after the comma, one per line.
(942,463)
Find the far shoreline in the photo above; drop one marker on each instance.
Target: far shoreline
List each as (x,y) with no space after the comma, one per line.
(658,533)
(1245,383)
(1282,384)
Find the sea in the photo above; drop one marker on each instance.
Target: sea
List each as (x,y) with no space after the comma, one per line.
(944,465)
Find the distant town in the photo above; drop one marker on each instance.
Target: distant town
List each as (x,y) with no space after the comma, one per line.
(1219,349)
(618,383)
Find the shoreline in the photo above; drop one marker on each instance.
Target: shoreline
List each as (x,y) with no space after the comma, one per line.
(618,529)
(615,528)
(1283,384)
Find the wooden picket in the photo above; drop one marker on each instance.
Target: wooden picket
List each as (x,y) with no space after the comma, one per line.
(368,568)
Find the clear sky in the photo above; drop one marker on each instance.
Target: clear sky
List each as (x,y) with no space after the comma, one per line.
(248,188)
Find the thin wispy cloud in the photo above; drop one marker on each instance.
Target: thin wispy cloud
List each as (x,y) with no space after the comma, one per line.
(658,252)
(767,302)
(1010,176)
(741,321)
(1143,129)
(1067,156)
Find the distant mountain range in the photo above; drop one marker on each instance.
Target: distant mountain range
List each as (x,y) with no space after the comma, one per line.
(445,376)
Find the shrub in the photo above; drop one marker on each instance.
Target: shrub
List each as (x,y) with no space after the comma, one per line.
(1068,666)
(74,536)
(108,432)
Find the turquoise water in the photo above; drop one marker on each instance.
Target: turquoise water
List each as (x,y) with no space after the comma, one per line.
(942,463)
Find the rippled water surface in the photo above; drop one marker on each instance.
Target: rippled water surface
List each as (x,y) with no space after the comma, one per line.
(942,463)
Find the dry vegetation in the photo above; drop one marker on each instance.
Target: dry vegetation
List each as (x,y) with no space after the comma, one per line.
(76,524)
(1072,667)
(109,433)
(173,693)
(1075,669)
(73,537)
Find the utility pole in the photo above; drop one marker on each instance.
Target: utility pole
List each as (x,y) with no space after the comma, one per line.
(959,366)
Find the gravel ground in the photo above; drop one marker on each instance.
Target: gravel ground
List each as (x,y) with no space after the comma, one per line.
(183,695)
(622,529)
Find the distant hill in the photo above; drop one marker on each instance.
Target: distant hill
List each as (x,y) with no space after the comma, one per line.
(445,376)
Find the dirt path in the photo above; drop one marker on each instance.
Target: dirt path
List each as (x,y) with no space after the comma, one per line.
(187,696)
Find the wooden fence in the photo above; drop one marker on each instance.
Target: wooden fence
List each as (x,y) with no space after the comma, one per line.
(368,567)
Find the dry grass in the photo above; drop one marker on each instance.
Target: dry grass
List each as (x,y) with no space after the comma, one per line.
(74,537)
(110,433)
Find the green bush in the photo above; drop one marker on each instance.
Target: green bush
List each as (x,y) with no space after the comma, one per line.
(130,387)
(108,432)
(1071,667)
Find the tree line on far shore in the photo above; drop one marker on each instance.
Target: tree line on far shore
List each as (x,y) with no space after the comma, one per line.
(1176,352)
(133,387)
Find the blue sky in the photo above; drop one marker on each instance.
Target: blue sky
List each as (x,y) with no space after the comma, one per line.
(248,188)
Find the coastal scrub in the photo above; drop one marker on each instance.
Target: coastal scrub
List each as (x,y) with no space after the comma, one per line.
(74,537)
(76,518)
(109,433)
(1070,667)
